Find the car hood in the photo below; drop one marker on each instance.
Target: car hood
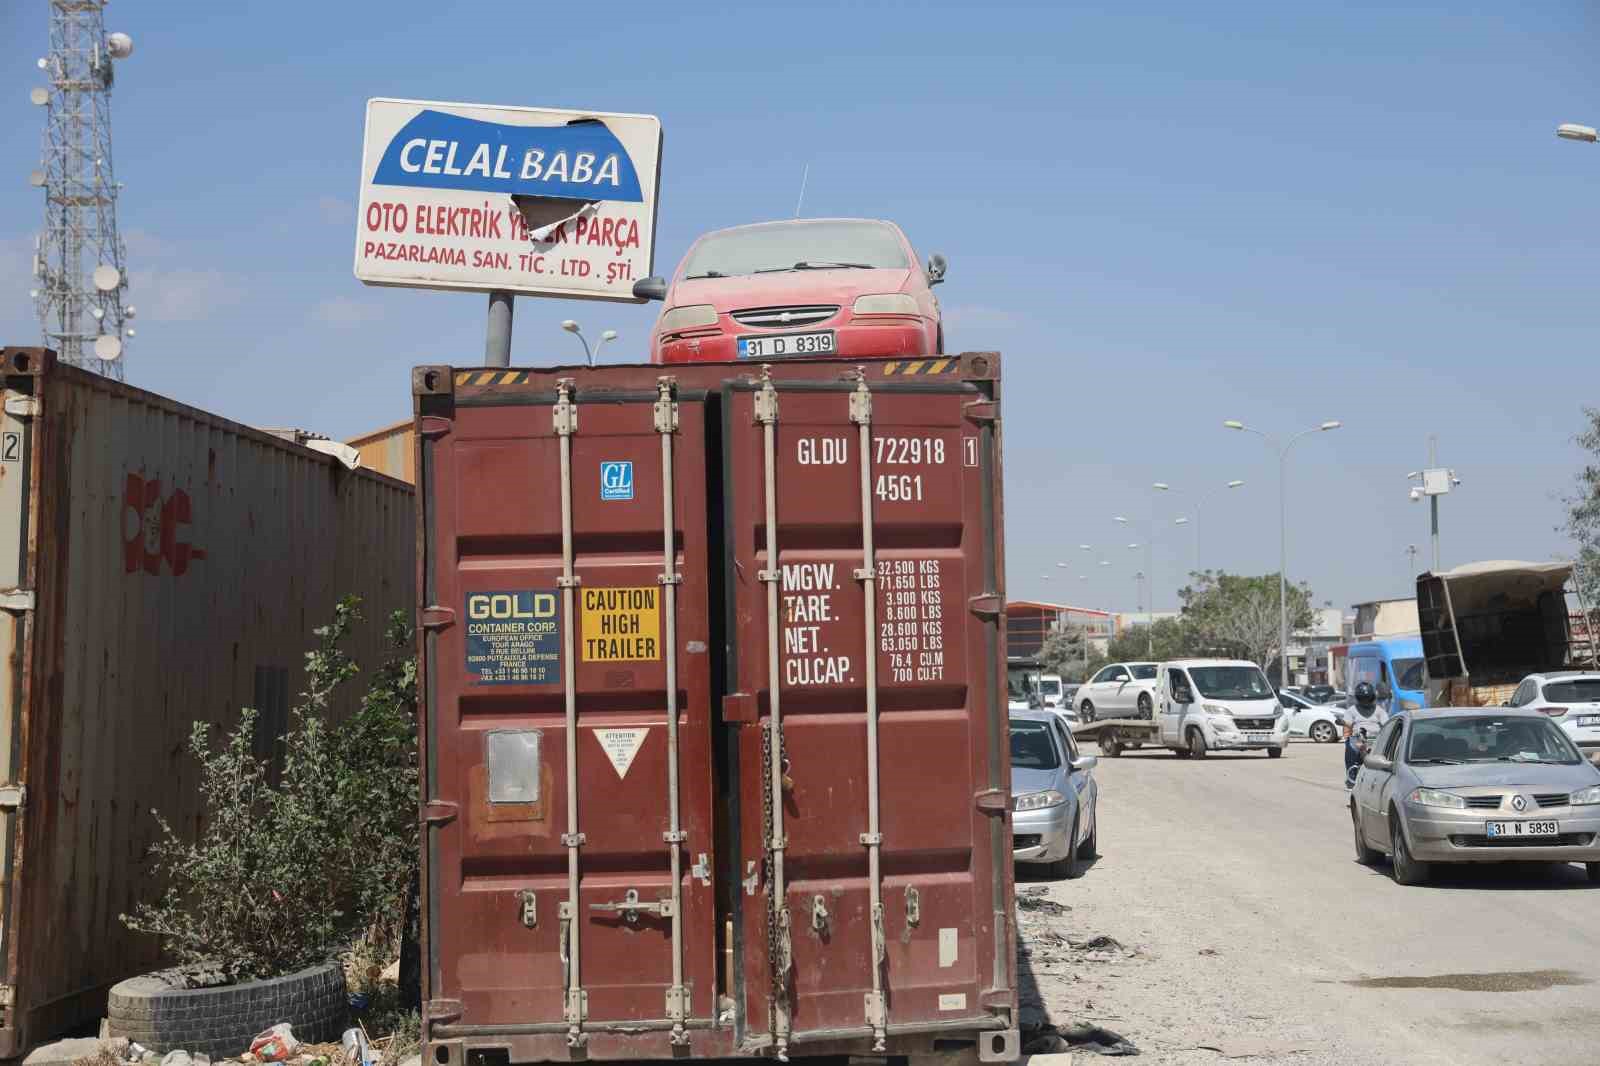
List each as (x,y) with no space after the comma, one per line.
(1025,781)
(792,287)
(1528,775)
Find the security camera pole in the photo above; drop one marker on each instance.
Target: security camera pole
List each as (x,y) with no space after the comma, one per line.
(1433,483)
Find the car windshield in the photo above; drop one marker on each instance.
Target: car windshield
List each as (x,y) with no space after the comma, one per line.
(1231,682)
(1408,674)
(1143,671)
(1582,690)
(1489,738)
(1031,748)
(795,246)
(1050,687)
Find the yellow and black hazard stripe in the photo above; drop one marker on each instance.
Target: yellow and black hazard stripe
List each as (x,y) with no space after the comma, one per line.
(491,377)
(905,367)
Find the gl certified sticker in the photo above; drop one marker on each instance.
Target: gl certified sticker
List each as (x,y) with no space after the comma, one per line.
(616,480)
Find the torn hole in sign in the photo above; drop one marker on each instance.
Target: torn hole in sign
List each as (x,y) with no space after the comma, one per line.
(543,215)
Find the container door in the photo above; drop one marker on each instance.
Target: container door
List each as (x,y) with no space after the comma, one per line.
(864,925)
(15,611)
(564,897)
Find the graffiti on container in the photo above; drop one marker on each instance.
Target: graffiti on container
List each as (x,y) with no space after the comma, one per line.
(513,637)
(155,528)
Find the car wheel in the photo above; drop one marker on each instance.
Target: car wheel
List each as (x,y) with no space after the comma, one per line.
(1406,870)
(1364,855)
(1323,732)
(1086,711)
(1069,868)
(1197,743)
(1144,705)
(1111,743)
(1090,848)
(1274,753)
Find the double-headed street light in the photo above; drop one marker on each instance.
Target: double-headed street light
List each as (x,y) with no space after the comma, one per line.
(1283,534)
(577,331)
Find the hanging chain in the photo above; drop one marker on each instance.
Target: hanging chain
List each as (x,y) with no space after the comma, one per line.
(779,946)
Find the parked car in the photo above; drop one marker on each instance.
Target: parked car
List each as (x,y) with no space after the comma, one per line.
(1307,718)
(1319,693)
(1571,699)
(801,287)
(1475,785)
(1219,704)
(1053,795)
(1121,690)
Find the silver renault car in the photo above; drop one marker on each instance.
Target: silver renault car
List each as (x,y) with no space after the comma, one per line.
(1054,806)
(1482,784)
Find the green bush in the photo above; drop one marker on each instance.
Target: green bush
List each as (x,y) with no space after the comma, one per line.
(283,876)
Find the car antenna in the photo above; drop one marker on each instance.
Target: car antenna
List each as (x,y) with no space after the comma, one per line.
(804,174)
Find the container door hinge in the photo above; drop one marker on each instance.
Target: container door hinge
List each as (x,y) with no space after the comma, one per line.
(878,1018)
(436,617)
(18,600)
(986,606)
(13,798)
(529,915)
(23,406)
(434,426)
(981,411)
(444,1010)
(439,812)
(992,801)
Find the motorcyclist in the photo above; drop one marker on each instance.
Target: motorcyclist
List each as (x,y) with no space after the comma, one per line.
(1362,721)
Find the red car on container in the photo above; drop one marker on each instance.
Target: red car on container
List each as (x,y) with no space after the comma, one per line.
(845,287)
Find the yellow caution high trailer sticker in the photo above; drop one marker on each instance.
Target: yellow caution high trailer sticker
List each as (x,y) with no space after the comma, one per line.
(621,624)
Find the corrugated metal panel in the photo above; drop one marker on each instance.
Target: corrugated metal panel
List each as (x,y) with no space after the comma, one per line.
(179,562)
(391,450)
(554,915)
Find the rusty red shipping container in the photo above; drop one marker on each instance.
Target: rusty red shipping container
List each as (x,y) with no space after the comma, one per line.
(158,566)
(715,756)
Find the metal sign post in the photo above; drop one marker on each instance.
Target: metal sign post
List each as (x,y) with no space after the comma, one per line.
(497,342)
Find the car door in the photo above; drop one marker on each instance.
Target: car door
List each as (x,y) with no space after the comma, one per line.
(1117,695)
(1297,713)
(1174,684)
(1082,782)
(1370,787)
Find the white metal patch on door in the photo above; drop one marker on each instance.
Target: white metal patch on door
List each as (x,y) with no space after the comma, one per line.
(956,1002)
(949,948)
(621,745)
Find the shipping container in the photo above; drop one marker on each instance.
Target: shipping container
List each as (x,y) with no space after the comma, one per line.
(158,566)
(715,733)
(391,450)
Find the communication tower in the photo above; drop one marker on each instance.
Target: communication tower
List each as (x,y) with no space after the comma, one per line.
(80,265)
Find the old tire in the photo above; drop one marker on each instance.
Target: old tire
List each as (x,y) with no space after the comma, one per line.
(158,1011)
(1086,711)
(1406,870)
(1197,743)
(1274,753)
(1365,855)
(1323,732)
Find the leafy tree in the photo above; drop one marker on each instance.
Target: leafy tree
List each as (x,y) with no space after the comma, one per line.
(1583,508)
(1167,638)
(1239,616)
(1063,653)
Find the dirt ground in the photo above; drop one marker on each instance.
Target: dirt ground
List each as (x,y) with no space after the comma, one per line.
(1227,920)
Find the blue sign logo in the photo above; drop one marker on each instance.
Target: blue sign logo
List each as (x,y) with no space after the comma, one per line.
(580,161)
(616,480)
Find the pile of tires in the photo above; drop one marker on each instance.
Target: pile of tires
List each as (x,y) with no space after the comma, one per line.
(185,1008)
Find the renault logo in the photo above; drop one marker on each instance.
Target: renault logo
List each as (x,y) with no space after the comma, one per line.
(1518,803)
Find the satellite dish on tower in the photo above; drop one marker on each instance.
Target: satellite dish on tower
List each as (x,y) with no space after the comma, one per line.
(120,45)
(107,347)
(39,96)
(107,278)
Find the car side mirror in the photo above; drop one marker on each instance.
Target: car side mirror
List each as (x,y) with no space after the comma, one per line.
(1377,762)
(651,288)
(937,265)
(1086,762)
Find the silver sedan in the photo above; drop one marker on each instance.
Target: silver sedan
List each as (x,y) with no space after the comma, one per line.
(1475,785)
(1053,795)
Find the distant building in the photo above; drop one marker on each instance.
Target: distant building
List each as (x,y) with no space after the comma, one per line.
(1029,622)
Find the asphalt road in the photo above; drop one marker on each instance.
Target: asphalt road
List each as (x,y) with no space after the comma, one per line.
(1244,928)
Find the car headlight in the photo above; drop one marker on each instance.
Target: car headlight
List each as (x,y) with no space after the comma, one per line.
(1432,797)
(1038,801)
(1214,708)
(889,303)
(692,317)
(1585,796)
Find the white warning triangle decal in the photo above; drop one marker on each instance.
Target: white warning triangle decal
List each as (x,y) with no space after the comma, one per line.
(621,745)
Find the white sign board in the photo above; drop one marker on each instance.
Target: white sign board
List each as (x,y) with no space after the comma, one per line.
(520,199)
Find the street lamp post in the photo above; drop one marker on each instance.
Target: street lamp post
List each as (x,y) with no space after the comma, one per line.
(1283,530)
(1200,501)
(1433,483)
(577,331)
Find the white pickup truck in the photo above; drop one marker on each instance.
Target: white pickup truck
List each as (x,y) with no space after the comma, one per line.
(1202,705)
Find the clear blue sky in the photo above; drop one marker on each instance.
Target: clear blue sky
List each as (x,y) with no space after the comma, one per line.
(1163,219)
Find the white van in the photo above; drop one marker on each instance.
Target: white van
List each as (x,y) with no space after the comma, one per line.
(1219,705)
